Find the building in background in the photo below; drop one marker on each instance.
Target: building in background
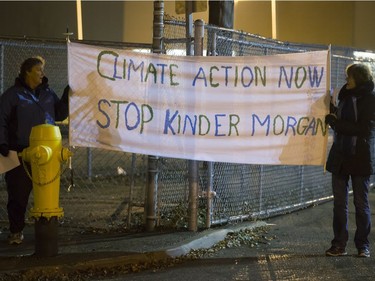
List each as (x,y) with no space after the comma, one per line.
(341,23)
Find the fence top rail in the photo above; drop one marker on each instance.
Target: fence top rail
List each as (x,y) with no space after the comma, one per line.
(115,44)
(15,41)
(240,33)
(263,45)
(263,39)
(355,58)
(32,39)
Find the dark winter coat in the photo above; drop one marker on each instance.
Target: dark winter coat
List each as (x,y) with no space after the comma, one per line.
(21,109)
(352,152)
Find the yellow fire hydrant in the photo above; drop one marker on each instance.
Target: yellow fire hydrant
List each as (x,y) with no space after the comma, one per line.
(45,155)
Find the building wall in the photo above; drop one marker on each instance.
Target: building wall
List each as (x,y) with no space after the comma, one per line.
(253,17)
(138,26)
(344,23)
(50,19)
(364,25)
(103,21)
(321,22)
(36,19)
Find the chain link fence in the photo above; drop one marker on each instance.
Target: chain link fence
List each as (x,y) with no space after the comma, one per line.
(100,188)
(257,191)
(106,190)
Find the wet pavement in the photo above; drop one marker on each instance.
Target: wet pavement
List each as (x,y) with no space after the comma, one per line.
(294,252)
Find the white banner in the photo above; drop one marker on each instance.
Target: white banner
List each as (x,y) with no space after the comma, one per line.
(253,109)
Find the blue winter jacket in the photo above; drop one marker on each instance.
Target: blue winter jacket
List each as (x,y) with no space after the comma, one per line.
(21,109)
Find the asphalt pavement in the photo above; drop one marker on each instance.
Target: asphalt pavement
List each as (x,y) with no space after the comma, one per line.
(81,253)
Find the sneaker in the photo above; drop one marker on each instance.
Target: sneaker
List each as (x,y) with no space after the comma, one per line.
(364,253)
(336,251)
(15,238)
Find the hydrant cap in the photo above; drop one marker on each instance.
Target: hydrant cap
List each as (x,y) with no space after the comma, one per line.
(45,132)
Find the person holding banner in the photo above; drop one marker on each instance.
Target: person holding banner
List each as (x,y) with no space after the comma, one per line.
(29,102)
(352,158)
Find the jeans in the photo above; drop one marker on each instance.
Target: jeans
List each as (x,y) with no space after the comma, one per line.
(340,187)
(19,186)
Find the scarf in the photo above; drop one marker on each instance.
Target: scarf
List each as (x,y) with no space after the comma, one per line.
(348,111)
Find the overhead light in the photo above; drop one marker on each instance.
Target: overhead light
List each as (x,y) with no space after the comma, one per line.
(79,19)
(274,19)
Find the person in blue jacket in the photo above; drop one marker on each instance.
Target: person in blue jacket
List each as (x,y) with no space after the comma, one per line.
(29,102)
(352,158)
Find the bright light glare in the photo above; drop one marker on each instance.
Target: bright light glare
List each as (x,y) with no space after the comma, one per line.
(364,55)
(79,19)
(274,19)
(145,51)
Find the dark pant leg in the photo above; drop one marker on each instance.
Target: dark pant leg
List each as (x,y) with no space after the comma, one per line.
(362,210)
(19,186)
(340,189)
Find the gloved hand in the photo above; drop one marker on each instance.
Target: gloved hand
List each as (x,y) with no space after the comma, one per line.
(67,89)
(4,149)
(332,108)
(65,95)
(331,119)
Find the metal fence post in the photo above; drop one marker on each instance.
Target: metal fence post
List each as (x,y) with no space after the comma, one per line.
(211,51)
(212,38)
(193,195)
(152,191)
(153,171)
(1,69)
(210,193)
(189,26)
(193,164)
(89,163)
(158,27)
(131,190)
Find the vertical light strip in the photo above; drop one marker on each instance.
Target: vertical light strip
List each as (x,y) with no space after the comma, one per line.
(79,20)
(274,25)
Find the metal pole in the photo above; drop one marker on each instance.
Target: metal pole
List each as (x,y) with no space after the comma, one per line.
(193,164)
(210,165)
(302,171)
(131,191)
(153,172)
(198,37)
(212,40)
(189,26)
(46,236)
(193,195)
(158,27)
(210,193)
(152,191)
(89,163)
(261,175)
(1,69)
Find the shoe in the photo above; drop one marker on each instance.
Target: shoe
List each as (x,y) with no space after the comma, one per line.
(15,238)
(336,252)
(364,253)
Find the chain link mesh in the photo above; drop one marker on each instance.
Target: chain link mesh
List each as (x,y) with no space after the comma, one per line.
(105,190)
(259,191)
(101,188)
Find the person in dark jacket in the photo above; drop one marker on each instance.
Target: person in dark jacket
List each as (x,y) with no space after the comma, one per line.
(352,158)
(29,102)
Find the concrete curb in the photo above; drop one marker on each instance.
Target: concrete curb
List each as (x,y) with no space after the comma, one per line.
(204,240)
